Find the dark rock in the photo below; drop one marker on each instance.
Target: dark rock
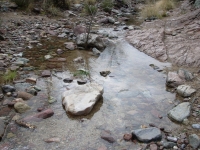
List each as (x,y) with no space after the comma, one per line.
(147,135)
(41,109)
(8,88)
(81,82)
(67,80)
(2,128)
(106,135)
(169,145)
(36,10)
(46,73)
(1,96)
(24,95)
(127,137)
(32,91)
(54,139)
(2,38)
(104,73)
(11,104)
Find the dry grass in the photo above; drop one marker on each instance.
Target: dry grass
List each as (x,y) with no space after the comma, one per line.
(157,9)
(54,11)
(165,5)
(91,2)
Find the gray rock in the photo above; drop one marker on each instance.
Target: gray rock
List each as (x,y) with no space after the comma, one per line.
(169,145)
(2,127)
(46,73)
(21,107)
(78,60)
(79,30)
(94,41)
(185,90)
(111,20)
(96,52)
(147,135)
(47,57)
(173,79)
(69,45)
(172,139)
(194,141)
(103,20)
(180,112)
(112,35)
(186,75)
(196,126)
(62,35)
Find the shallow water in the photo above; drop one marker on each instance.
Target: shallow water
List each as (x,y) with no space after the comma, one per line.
(134,96)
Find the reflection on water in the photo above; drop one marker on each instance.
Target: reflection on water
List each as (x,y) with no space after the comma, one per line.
(134,95)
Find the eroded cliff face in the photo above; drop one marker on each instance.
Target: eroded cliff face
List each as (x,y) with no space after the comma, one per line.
(176,39)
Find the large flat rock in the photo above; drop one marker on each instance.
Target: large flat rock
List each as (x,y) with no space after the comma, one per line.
(147,135)
(180,112)
(175,39)
(81,99)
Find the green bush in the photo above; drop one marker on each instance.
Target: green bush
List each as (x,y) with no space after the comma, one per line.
(22,3)
(90,9)
(10,76)
(54,11)
(63,4)
(107,5)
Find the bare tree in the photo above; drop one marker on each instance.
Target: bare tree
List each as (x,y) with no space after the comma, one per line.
(91,11)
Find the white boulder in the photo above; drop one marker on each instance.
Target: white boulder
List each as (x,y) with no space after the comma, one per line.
(81,99)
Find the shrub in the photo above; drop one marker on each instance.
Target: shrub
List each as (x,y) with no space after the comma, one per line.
(150,11)
(54,11)
(22,3)
(10,76)
(64,4)
(90,9)
(91,2)
(165,5)
(107,5)
(81,72)
(157,9)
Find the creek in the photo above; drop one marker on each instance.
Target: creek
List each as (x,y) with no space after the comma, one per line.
(134,96)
